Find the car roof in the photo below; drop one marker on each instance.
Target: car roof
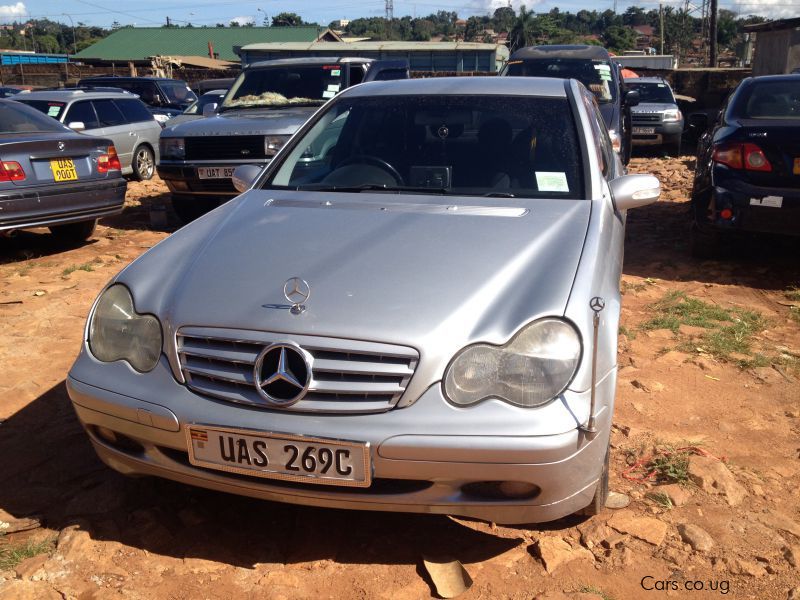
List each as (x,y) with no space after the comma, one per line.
(309,60)
(70,95)
(646,80)
(562,51)
(765,78)
(480,86)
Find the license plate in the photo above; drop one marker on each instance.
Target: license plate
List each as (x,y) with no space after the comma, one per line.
(796,168)
(215,172)
(63,169)
(280,456)
(644,130)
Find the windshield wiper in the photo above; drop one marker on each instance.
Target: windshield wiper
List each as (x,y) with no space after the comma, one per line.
(371,187)
(499,195)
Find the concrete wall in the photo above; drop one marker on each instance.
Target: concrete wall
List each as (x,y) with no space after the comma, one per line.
(777,52)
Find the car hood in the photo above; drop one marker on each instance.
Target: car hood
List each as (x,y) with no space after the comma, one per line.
(648,107)
(251,121)
(381,268)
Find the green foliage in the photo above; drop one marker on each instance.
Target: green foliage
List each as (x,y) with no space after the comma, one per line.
(288,19)
(13,554)
(618,38)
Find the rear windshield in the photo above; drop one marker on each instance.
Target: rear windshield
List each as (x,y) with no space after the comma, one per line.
(653,93)
(769,100)
(596,75)
(177,92)
(463,145)
(48,107)
(283,86)
(18,118)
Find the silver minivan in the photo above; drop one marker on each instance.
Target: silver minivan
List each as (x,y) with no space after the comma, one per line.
(119,116)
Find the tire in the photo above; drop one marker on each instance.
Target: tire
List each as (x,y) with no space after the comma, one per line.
(74,233)
(189,208)
(598,503)
(143,163)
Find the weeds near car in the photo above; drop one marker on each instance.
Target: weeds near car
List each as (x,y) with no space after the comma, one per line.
(793,293)
(593,589)
(730,331)
(661,499)
(72,268)
(13,554)
(631,335)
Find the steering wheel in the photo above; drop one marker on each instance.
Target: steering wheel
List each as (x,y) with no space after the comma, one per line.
(366,159)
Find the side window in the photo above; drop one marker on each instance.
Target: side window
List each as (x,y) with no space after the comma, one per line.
(357,72)
(108,114)
(133,110)
(83,112)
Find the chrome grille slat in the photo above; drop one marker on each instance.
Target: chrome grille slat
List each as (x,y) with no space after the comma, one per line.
(348,376)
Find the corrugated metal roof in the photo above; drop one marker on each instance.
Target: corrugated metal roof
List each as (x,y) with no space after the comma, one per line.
(373,46)
(138,43)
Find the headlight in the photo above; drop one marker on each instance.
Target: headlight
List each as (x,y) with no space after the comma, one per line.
(672,115)
(118,332)
(529,371)
(174,148)
(616,140)
(162,118)
(273,143)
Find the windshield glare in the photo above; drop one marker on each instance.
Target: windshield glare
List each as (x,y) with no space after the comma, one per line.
(282,86)
(594,74)
(653,93)
(177,93)
(461,145)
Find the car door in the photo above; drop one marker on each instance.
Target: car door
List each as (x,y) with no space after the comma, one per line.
(384,70)
(114,125)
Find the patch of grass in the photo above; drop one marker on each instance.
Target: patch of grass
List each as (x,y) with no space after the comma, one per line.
(72,268)
(661,499)
(628,286)
(631,335)
(13,554)
(593,589)
(794,314)
(670,465)
(793,293)
(24,270)
(676,309)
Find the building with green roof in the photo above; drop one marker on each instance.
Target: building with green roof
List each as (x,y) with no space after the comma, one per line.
(138,44)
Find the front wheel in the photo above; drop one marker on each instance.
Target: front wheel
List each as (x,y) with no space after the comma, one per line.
(144,163)
(598,502)
(74,233)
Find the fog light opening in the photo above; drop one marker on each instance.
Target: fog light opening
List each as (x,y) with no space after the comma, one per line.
(501,490)
(117,440)
(106,435)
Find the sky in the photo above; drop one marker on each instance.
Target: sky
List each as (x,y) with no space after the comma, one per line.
(153,13)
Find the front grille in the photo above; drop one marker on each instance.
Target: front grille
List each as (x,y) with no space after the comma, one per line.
(237,147)
(347,376)
(639,118)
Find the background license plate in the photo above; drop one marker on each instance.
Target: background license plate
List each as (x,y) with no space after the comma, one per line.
(63,169)
(279,456)
(215,172)
(644,130)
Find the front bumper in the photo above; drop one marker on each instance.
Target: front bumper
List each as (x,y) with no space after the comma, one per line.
(48,205)
(181,177)
(663,133)
(414,468)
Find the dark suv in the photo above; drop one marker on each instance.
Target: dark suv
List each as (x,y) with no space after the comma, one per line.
(164,97)
(594,68)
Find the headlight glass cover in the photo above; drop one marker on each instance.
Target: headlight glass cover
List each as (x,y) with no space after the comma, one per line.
(174,148)
(118,332)
(529,371)
(672,115)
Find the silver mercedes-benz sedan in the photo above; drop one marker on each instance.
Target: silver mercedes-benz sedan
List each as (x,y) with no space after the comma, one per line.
(414,307)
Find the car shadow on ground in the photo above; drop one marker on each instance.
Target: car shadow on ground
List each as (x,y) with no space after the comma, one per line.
(51,472)
(657,244)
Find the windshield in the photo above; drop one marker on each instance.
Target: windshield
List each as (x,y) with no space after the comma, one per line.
(770,100)
(594,74)
(652,93)
(17,118)
(461,145)
(197,107)
(283,86)
(177,92)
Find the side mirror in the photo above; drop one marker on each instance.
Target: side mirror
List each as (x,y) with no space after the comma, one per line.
(632,191)
(244,176)
(210,109)
(632,98)
(77,125)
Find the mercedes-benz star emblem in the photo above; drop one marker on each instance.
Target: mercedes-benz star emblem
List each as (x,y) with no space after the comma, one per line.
(443,131)
(282,373)
(297,291)
(597,304)
(61,146)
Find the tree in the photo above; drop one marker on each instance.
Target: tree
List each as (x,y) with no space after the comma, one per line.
(287,19)
(504,18)
(727,28)
(618,38)
(521,33)
(422,29)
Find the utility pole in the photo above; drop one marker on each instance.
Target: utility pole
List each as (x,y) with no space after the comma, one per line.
(712,26)
(389,18)
(168,23)
(661,27)
(74,40)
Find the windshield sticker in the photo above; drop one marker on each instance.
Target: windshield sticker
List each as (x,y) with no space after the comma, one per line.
(52,111)
(551,181)
(336,72)
(334,87)
(602,67)
(605,76)
(328,94)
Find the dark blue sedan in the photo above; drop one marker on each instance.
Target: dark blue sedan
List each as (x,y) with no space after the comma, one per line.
(747,177)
